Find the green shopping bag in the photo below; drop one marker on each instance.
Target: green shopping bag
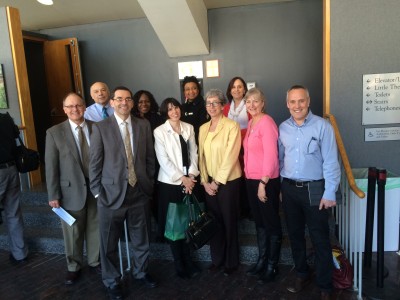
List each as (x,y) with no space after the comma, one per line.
(177,221)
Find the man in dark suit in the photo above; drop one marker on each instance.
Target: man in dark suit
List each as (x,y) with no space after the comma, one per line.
(121,174)
(67,162)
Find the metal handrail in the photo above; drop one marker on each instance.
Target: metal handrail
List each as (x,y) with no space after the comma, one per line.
(345,160)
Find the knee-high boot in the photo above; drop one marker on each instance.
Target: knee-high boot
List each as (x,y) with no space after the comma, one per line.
(262,241)
(191,268)
(271,269)
(177,253)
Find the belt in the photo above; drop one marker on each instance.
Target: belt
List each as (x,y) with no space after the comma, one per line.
(7,165)
(298,183)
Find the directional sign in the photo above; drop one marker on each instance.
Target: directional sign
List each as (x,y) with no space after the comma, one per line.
(381,98)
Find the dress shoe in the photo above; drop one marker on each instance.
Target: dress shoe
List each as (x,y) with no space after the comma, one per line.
(18,261)
(229,271)
(299,284)
(325,295)
(115,293)
(148,281)
(213,268)
(96,269)
(72,277)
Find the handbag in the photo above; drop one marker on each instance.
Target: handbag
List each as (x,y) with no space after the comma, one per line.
(26,160)
(342,277)
(177,220)
(202,225)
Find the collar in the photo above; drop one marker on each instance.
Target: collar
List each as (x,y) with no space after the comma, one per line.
(74,125)
(308,118)
(119,120)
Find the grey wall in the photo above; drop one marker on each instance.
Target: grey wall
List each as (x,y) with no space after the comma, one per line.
(275,45)
(365,39)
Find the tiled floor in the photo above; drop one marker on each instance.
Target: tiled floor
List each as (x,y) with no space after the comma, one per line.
(42,277)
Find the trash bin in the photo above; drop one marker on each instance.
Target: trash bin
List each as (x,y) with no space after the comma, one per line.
(392,210)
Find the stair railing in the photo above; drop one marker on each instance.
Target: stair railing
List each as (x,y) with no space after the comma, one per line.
(347,209)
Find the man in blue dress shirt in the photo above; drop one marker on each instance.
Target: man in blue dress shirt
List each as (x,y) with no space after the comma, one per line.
(310,174)
(101,109)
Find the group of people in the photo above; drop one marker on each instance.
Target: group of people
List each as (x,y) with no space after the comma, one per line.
(101,168)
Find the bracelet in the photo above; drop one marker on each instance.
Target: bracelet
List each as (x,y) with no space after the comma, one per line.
(217,183)
(263,182)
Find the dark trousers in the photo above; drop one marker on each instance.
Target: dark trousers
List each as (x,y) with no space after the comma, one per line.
(298,213)
(224,246)
(266,215)
(135,209)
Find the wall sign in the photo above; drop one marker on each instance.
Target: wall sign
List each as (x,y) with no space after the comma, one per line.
(381,98)
(382,134)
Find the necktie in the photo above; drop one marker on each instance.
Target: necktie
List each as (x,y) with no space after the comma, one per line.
(104,113)
(84,147)
(128,149)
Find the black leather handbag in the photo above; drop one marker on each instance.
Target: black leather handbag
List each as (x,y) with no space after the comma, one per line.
(26,160)
(202,225)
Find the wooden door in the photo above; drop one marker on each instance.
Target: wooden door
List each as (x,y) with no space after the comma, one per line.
(63,74)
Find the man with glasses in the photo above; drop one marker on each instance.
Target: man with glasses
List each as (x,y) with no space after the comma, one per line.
(101,109)
(121,172)
(67,162)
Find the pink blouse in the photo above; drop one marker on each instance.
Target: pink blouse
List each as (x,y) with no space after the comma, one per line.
(261,149)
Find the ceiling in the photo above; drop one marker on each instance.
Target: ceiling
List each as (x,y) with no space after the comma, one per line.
(35,16)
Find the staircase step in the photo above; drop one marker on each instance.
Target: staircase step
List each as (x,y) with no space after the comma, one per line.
(43,233)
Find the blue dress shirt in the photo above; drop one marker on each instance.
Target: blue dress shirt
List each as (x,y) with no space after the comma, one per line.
(94,112)
(309,152)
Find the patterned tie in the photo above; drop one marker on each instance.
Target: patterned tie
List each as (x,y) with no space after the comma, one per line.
(129,156)
(104,113)
(84,147)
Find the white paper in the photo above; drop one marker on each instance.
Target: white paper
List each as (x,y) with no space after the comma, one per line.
(64,215)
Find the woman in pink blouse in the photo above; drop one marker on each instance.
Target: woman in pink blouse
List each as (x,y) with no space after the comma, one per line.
(261,167)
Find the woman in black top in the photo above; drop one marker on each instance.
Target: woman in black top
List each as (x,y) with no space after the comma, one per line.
(193,110)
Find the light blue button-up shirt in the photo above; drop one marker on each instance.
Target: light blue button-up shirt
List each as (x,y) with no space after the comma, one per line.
(94,112)
(309,152)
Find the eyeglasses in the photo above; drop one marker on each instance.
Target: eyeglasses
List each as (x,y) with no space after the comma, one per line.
(77,106)
(120,99)
(213,104)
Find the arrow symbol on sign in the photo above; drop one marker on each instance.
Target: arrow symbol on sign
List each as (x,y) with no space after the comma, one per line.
(368,87)
(368,80)
(368,95)
(367,109)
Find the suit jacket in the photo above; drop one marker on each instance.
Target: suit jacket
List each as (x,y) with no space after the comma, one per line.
(108,168)
(64,173)
(169,152)
(225,146)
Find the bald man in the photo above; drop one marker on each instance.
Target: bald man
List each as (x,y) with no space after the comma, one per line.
(101,109)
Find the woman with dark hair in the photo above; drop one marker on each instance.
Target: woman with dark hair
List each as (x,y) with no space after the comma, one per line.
(236,111)
(261,166)
(219,147)
(146,107)
(193,110)
(176,152)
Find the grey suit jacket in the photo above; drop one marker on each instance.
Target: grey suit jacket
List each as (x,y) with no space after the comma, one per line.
(108,168)
(64,174)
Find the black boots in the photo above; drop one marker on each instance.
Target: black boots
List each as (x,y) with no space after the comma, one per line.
(262,241)
(191,267)
(271,269)
(177,253)
(185,268)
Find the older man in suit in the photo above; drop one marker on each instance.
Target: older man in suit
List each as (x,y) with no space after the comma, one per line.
(67,162)
(121,174)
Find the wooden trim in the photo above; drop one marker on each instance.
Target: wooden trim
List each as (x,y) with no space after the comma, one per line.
(345,159)
(326,56)
(22,83)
